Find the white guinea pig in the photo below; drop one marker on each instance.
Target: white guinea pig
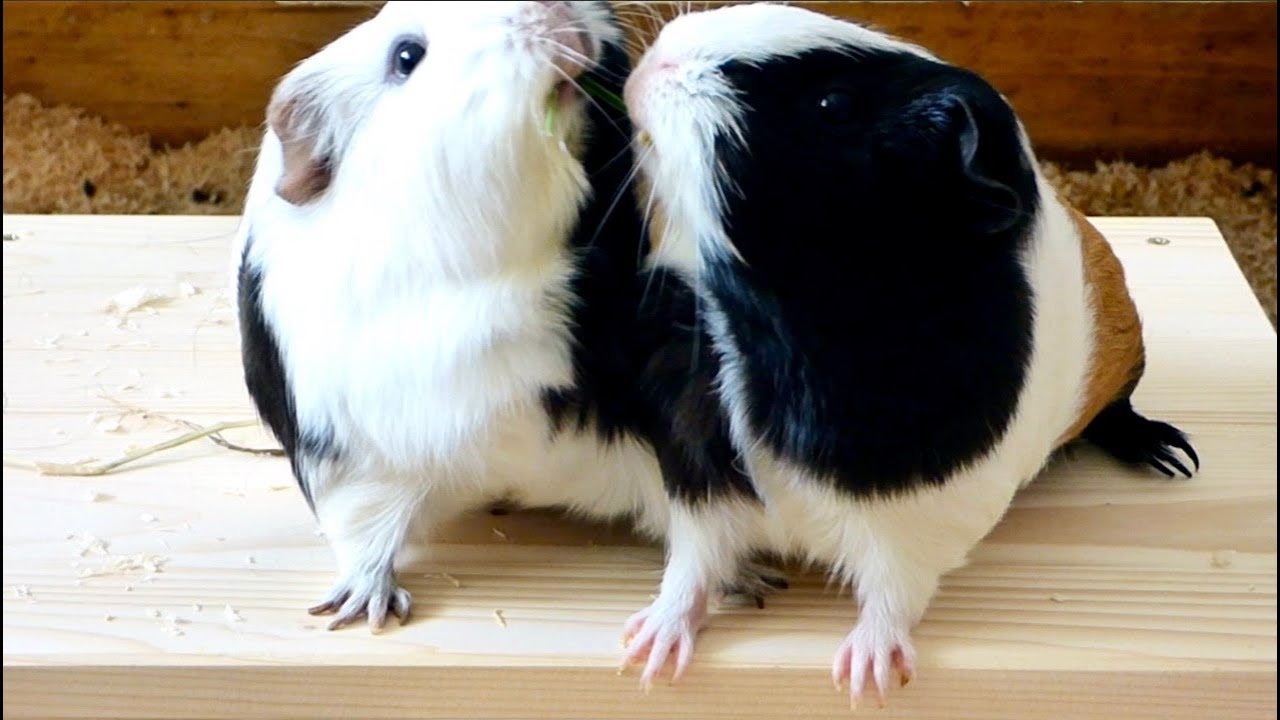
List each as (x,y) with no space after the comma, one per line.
(441,297)
(910,322)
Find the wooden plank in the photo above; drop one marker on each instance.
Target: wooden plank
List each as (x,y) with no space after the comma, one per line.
(1104,593)
(1148,81)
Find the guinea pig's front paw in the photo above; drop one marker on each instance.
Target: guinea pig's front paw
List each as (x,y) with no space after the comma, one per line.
(658,631)
(873,650)
(372,596)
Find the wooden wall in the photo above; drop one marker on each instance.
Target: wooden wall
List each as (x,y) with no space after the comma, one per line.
(1143,80)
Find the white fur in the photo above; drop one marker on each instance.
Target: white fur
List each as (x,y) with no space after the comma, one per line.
(893,551)
(420,301)
(687,54)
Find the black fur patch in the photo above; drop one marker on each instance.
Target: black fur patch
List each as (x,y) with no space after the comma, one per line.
(1132,438)
(265,377)
(641,368)
(883,317)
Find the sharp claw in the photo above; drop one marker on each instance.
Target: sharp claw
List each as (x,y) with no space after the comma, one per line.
(1155,463)
(1190,451)
(1169,457)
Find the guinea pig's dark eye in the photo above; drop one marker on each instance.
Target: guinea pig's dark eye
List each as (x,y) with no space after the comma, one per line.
(407,55)
(836,107)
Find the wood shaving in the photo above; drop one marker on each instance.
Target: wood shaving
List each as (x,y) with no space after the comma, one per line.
(90,544)
(231,614)
(119,323)
(1057,598)
(497,615)
(50,343)
(446,577)
(186,290)
(109,617)
(1222,559)
(197,607)
(171,623)
(136,298)
(94,497)
(501,534)
(98,467)
(147,518)
(124,564)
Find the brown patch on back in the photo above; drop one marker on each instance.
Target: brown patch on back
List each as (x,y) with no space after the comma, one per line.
(1119,357)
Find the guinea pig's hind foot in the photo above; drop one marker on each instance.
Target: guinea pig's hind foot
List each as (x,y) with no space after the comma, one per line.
(663,629)
(756,581)
(872,653)
(372,596)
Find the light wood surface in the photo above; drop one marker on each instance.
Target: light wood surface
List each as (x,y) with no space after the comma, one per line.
(1105,593)
(1146,81)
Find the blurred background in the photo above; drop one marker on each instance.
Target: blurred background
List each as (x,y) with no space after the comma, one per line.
(1135,108)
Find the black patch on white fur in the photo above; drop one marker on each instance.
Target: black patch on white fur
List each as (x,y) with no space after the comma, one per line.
(641,369)
(265,378)
(882,320)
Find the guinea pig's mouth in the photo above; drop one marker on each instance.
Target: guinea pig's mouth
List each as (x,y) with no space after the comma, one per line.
(564,93)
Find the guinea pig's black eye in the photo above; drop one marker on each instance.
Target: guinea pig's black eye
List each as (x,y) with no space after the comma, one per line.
(836,107)
(407,55)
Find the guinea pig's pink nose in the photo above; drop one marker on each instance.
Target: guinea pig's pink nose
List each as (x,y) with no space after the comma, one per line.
(636,88)
(567,31)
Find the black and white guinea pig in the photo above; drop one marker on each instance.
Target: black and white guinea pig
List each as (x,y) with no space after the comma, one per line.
(909,320)
(441,296)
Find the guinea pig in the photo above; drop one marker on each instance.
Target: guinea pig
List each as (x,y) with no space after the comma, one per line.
(441,296)
(909,320)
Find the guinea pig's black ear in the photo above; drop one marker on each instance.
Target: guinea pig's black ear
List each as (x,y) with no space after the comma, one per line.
(296,116)
(940,144)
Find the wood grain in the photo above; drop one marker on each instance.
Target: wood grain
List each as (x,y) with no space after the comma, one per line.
(1146,81)
(1105,592)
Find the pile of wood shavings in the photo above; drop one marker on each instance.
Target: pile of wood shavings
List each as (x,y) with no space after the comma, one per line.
(52,156)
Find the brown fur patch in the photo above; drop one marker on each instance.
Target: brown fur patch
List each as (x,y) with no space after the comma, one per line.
(1119,357)
(304,177)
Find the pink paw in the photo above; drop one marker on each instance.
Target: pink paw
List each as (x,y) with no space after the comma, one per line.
(873,652)
(659,631)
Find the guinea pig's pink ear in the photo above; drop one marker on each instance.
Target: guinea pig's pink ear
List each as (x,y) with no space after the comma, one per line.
(296,117)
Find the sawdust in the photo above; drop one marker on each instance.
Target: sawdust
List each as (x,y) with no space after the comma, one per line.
(62,160)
